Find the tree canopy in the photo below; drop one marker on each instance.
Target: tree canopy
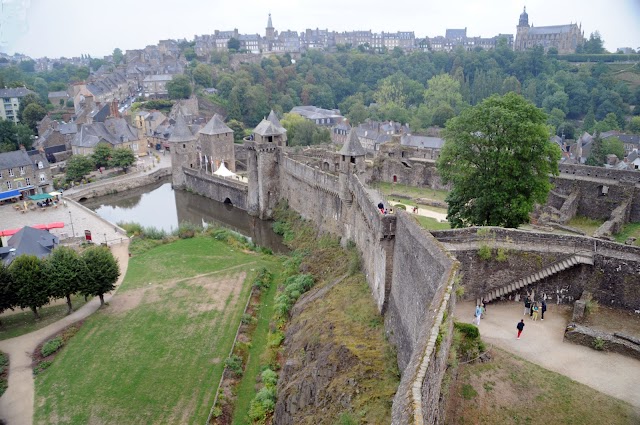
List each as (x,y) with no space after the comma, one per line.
(498,158)
(29,284)
(122,158)
(101,273)
(179,87)
(64,271)
(78,166)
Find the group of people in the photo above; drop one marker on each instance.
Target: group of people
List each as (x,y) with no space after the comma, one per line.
(383,210)
(533,308)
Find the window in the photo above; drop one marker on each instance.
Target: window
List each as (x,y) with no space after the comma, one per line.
(40,165)
(10,172)
(28,180)
(9,185)
(42,178)
(21,171)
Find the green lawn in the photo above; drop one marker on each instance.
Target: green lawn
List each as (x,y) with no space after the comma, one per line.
(587,225)
(431,223)
(23,322)
(629,229)
(405,191)
(511,390)
(156,354)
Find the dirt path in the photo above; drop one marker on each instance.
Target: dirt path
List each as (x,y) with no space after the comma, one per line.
(16,404)
(542,343)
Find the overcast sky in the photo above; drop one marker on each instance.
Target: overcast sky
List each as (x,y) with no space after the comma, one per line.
(68,28)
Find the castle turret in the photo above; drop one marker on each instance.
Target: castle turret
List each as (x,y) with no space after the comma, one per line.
(183,151)
(351,162)
(263,154)
(216,142)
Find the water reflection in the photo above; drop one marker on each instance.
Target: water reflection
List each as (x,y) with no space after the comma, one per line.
(160,206)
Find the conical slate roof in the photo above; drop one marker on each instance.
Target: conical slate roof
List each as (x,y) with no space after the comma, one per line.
(273,119)
(181,132)
(215,126)
(352,146)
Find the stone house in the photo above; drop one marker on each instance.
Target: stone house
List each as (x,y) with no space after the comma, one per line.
(115,132)
(59,99)
(155,86)
(28,172)
(319,116)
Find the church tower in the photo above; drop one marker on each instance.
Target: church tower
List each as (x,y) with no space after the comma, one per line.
(522,31)
(270,33)
(524,18)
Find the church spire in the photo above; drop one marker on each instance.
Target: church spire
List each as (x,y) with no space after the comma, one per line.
(269,23)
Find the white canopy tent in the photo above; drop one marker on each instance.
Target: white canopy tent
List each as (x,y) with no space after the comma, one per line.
(223,171)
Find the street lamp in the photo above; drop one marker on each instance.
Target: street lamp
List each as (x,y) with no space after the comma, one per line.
(73,233)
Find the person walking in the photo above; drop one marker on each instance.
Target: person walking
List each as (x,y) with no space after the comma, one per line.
(543,309)
(520,327)
(527,306)
(534,316)
(478,315)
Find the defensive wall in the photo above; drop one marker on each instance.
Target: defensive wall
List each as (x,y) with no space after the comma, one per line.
(218,188)
(118,184)
(614,279)
(409,272)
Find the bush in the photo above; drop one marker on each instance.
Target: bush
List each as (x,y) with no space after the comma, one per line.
(153,233)
(248,319)
(234,364)
(269,377)
(467,329)
(599,344)
(187,230)
(484,252)
(51,346)
(275,339)
(265,400)
(132,229)
(42,366)
(264,279)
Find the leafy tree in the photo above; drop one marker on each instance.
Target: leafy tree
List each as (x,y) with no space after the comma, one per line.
(123,158)
(596,155)
(102,153)
(32,115)
(190,54)
(357,114)
(442,114)
(634,125)
(101,272)
(29,282)
(302,132)
(118,56)
(202,74)
(589,121)
(28,100)
(556,117)
(613,145)
(7,294)
(179,87)
(28,66)
(511,83)
(238,130)
(13,135)
(609,123)
(594,45)
(65,270)
(498,158)
(566,129)
(442,90)
(233,44)
(78,166)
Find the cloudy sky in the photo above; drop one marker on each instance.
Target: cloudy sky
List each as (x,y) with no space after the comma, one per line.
(56,28)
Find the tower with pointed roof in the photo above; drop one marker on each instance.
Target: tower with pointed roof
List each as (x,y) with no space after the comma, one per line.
(270,33)
(216,142)
(183,151)
(565,38)
(263,155)
(352,157)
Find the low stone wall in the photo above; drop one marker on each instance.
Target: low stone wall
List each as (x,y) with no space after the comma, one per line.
(311,176)
(117,185)
(588,337)
(217,188)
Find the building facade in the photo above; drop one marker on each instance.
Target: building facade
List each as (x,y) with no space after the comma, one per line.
(11,102)
(565,38)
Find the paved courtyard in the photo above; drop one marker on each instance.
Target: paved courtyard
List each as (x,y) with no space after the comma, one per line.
(75,217)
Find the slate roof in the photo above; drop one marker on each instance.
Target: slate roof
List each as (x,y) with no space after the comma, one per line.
(422,142)
(270,126)
(113,131)
(29,241)
(273,118)
(58,94)
(352,146)
(14,159)
(15,92)
(68,128)
(314,113)
(215,126)
(553,29)
(181,132)
(160,77)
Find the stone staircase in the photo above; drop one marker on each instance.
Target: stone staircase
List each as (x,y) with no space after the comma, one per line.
(583,257)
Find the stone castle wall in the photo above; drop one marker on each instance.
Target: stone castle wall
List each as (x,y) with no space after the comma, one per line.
(217,188)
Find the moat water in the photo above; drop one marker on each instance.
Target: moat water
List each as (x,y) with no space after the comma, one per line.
(160,206)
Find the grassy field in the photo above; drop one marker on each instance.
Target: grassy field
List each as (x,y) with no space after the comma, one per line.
(156,353)
(629,230)
(585,224)
(510,390)
(22,322)
(431,223)
(405,191)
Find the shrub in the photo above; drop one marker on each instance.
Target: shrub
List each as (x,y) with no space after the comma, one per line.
(234,364)
(467,329)
(41,367)
(153,233)
(187,230)
(264,279)
(347,418)
(132,229)
(275,339)
(265,400)
(502,254)
(484,252)
(269,377)
(599,344)
(51,346)
(248,319)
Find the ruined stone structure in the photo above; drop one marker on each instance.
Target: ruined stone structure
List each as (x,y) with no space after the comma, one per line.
(411,272)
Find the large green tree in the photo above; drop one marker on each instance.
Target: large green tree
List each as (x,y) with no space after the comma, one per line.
(78,166)
(122,158)
(32,115)
(118,56)
(179,87)
(7,294)
(29,283)
(498,158)
(101,155)
(65,270)
(102,272)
